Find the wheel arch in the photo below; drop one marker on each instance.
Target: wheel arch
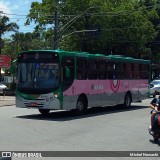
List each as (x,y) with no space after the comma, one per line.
(84,96)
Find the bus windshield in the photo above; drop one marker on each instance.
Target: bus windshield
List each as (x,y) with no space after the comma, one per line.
(38,76)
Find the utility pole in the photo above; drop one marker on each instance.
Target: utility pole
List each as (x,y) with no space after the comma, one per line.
(55,44)
(67,25)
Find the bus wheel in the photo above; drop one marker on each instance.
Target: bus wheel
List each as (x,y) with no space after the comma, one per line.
(127,100)
(81,106)
(44,111)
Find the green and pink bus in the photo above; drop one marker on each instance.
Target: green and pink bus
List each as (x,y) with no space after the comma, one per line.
(61,80)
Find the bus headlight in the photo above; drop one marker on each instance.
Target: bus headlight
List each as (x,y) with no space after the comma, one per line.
(56,95)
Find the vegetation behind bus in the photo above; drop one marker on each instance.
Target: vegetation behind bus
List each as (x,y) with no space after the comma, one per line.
(121,27)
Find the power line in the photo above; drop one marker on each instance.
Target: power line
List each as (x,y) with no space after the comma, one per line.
(13,14)
(96,14)
(93,14)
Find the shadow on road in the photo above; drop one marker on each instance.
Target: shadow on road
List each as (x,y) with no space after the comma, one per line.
(70,115)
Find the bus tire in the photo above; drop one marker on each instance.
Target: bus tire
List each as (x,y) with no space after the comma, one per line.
(81,106)
(127,100)
(44,111)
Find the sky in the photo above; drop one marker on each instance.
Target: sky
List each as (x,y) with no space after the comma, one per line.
(17,11)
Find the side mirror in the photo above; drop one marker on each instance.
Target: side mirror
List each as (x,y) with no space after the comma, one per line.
(68,72)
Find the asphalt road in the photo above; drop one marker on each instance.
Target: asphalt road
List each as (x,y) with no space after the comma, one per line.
(101,129)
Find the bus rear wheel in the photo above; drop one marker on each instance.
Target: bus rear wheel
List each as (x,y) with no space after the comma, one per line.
(44,111)
(81,106)
(127,100)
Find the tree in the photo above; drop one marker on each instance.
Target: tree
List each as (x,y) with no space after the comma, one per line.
(123,27)
(6,27)
(154,15)
(26,41)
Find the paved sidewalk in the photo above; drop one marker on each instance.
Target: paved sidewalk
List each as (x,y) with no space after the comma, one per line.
(7,101)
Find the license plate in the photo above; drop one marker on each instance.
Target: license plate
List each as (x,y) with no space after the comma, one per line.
(33,105)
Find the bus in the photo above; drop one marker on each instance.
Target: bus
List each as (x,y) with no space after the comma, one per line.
(61,80)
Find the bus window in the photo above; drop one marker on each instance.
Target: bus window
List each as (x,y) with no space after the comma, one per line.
(81,68)
(68,63)
(102,69)
(136,71)
(129,71)
(92,69)
(144,71)
(110,70)
(120,74)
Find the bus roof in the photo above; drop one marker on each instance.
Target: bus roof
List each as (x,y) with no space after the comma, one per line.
(110,57)
(89,55)
(127,59)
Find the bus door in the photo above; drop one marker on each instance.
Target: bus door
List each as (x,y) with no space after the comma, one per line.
(67,81)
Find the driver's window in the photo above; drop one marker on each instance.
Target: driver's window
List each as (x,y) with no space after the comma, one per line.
(68,63)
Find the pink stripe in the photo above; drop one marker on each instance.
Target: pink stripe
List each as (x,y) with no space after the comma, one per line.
(105,86)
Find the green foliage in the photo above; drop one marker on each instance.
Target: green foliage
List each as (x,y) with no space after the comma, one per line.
(123,27)
(5,26)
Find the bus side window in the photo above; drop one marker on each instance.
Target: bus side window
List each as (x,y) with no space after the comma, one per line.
(81,68)
(124,70)
(102,69)
(129,72)
(136,71)
(144,71)
(110,70)
(120,70)
(92,69)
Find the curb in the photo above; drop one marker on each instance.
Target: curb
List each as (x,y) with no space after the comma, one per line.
(7,105)
(7,101)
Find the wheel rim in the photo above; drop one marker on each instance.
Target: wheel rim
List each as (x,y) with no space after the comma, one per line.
(80,106)
(128,101)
